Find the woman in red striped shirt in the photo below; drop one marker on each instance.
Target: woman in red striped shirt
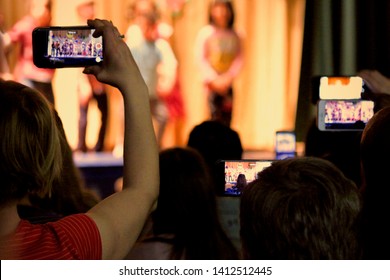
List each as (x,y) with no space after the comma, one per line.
(30,159)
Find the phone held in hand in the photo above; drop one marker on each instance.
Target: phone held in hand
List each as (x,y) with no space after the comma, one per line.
(66,46)
(234,175)
(344,115)
(285,144)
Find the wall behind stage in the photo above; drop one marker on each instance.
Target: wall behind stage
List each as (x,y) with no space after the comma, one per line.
(265,92)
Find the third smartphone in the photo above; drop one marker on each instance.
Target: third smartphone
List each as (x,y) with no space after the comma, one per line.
(285,144)
(344,115)
(233,175)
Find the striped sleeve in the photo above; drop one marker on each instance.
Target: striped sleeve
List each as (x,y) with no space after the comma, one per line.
(75,237)
(80,235)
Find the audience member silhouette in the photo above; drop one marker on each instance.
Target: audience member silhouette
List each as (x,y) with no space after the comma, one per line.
(30,160)
(185,224)
(375,151)
(339,147)
(300,208)
(215,141)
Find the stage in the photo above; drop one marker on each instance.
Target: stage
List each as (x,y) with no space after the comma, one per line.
(100,171)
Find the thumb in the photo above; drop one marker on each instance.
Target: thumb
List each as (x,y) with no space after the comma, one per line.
(94,70)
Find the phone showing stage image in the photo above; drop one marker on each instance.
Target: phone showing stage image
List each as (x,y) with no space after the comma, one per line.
(66,46)
(234,175)
(344,115)
(285,144)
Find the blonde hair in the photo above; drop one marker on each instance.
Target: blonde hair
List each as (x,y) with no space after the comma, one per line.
(30,151)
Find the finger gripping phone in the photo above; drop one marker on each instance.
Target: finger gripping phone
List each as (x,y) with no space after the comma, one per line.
(66,46)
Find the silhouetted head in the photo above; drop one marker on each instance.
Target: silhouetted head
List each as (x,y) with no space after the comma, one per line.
(375,148)
(215,141)
(300,208)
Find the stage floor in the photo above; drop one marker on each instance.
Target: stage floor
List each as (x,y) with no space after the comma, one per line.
(97,159)
(100,171)
(107,159)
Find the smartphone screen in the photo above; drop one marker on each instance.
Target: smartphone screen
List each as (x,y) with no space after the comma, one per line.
(285,144)
(344,114)
(57,47)
(236,174)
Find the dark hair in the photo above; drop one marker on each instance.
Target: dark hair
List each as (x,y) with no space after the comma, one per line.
(215,141)
(374,152)
(229,6)
(300,208)
(375,147)
(339,147)
(69,194)
(30,151)
(187,208)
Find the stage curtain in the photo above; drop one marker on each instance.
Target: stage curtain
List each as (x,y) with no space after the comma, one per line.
(329,48)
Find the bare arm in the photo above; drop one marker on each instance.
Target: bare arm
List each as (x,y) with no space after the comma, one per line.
(376,82)
(120,217)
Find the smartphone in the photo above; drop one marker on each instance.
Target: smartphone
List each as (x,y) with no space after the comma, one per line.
(233,175)
(344,115)
(285,144)
(337,87)
(66,46)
